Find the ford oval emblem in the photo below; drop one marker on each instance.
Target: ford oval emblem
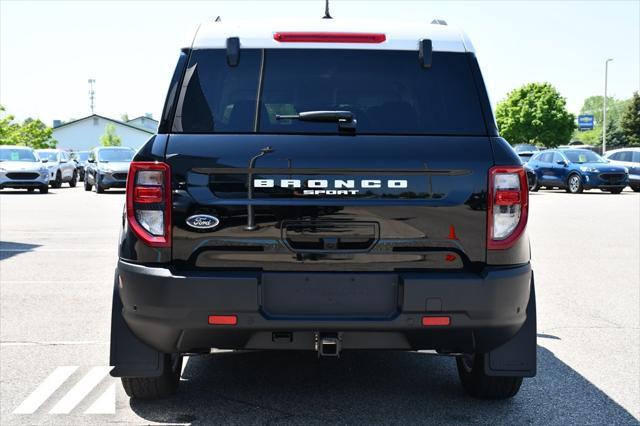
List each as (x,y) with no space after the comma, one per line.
(203,221)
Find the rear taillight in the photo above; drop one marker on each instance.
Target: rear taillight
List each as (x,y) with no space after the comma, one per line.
(321,37)
(149,202)
(507,206)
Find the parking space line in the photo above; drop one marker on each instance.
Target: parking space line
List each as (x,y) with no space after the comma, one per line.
(55,282)
(56,343)
(40,250)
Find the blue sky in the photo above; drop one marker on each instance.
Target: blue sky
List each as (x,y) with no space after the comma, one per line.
(49,49)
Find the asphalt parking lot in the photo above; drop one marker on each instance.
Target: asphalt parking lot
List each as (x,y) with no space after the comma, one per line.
(58,252)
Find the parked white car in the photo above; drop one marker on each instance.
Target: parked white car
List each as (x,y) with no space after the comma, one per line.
(21,168)
(61,167)
(629,158)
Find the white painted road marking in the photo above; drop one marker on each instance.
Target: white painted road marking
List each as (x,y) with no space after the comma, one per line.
(105,404)
(44,391)
(80,390)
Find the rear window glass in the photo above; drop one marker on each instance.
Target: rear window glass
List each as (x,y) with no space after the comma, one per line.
(387,91)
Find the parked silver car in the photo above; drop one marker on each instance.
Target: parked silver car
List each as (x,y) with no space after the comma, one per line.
(629,158)
(61,167)
(107,167)
(20,167)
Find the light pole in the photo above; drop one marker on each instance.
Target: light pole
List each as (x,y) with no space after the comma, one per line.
(91,81)
(604,107)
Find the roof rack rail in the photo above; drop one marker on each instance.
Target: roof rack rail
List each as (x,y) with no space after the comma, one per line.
(438,22)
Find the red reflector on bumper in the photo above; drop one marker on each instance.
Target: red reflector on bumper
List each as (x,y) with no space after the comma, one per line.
(223,319)
(435,321)
(317,37)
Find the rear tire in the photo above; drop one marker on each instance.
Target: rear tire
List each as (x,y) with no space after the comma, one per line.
(31,189)
(636,188)
(616,191)
(74,179)
(87,185)
(156,387)
(478,385)
(44,189)
(574,184)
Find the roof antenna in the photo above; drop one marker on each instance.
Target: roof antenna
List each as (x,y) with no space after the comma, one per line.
(326,10)
(218,19)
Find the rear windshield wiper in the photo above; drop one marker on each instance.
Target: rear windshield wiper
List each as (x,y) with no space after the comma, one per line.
(345,119)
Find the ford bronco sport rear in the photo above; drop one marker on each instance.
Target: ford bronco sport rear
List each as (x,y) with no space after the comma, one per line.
(326,190)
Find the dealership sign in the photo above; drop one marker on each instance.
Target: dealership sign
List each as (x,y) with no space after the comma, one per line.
(585,122)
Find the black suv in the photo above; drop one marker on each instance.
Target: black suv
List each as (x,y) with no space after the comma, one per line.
(326,191)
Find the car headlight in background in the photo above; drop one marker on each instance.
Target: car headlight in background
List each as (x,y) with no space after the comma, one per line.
(588,169)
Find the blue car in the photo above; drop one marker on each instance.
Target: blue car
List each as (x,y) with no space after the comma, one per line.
(576,170)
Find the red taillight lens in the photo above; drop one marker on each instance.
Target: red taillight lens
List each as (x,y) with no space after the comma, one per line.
(507,206)
(149,202)
(320,37)
(507,197)
(145,195)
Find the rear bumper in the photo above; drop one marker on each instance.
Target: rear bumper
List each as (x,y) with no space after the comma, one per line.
(170,312)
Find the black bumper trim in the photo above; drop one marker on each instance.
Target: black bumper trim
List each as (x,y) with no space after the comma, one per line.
(169,311)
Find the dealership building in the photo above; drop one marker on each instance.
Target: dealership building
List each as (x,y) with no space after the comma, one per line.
(84,133)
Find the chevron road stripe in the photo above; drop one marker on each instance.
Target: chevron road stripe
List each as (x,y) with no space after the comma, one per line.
(45,390)
(80,390)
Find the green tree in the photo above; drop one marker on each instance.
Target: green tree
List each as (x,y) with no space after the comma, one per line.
(535,113)
(32,133)
(616,137)
(35,134)
(7,127)
(630,121)
(593,106)
(124,117)
(109,138)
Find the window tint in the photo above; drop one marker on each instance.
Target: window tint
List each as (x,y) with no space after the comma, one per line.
(546,157)
(388,92)
(636,156)
(626,156)
(216,97)
(615,156)
(557,157)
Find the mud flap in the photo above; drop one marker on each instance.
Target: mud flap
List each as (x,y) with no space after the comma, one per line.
(517,357)
(129,356)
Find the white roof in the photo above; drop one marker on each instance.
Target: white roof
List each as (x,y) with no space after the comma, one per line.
(399,35)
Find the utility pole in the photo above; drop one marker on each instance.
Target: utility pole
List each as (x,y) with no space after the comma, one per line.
(604,107)
(91,81)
